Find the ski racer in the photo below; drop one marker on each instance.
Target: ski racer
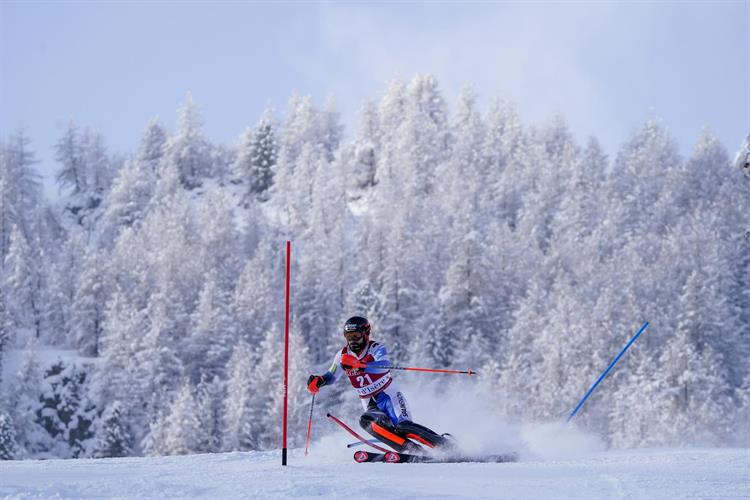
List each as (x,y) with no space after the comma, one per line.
(387,416)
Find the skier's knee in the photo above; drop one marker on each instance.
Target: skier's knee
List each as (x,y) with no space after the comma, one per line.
(368,418)
(365,420)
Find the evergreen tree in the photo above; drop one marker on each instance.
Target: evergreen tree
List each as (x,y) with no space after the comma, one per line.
(158,366)
(97,165)
(67,414)
(331,129)
(25,406)
(5,331)
(87,310)
(640,170)
(7,437)
(209,399)
(300,146)
(188,150)
(113,435)
(220,244)
(253,305)
(152,147)
(505,149)
(257,157)
(265,374)
(23,186)
(242,412)
(212,333)
(116,379)
(21,283)
(8,214)
(183,433)
(365,152)
(69,154)
(129,198)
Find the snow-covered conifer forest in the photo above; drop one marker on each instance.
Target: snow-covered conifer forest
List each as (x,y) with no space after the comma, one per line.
(141,313)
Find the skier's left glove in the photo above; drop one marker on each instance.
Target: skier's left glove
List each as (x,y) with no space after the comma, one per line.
(348,361)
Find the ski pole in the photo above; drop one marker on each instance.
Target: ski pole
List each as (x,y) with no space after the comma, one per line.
(604,374)
(359,443)
(309,423)
(431,370)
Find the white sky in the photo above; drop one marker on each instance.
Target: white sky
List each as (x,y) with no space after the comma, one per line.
(606,67)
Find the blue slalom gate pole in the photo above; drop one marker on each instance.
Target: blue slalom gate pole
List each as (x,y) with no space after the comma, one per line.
(604,374)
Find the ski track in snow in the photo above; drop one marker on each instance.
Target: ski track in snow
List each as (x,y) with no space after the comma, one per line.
(637,474)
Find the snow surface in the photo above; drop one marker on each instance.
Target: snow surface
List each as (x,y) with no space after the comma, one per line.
(329,472)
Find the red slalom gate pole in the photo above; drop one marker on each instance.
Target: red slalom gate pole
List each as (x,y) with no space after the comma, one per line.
(431,370)
(286,352)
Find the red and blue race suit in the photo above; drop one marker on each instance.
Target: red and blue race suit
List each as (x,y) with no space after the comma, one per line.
(373,383)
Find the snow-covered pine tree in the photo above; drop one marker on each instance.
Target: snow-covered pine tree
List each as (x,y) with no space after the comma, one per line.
(331,130)
(97,165)
(298,397)
(69,154)
(128,199)
(253,301)
(266,374)
(8,213)
(25,406)
(209,399)
(7,437)
(256,159)
(188,150)
(152,148)
(241,415)
(301,133)
(5,331)
(212,333)
(113,437)
(116,377)
(23,191)
(21,284)
(640,172)
(158,367)
(220,241)
(423,141)
(87,309)
(364,155)
(183,431)
(504,149)
(66,414)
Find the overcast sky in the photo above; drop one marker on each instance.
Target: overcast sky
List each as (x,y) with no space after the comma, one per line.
(606,67)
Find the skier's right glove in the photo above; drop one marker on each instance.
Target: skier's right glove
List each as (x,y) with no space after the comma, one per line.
(315,382)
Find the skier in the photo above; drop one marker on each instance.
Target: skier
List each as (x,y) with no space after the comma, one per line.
(387,415)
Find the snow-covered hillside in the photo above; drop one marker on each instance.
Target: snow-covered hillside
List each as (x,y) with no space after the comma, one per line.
(642,474)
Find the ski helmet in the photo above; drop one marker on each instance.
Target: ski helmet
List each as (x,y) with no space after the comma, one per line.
(357,324)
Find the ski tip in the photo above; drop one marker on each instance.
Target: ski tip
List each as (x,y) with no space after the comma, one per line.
(328,415)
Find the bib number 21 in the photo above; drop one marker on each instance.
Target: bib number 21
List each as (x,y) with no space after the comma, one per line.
(363,380)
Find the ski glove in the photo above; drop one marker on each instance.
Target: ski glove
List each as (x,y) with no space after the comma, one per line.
(315,382)
(348,361)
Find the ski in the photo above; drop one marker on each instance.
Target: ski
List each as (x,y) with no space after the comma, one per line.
(362,456)
(393,457)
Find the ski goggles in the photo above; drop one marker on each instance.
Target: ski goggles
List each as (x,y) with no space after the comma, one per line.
(355,335)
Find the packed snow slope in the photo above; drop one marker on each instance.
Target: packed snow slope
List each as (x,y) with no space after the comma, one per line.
(642,474)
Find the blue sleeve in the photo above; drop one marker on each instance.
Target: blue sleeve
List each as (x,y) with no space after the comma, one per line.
(381,363)
(334,372)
